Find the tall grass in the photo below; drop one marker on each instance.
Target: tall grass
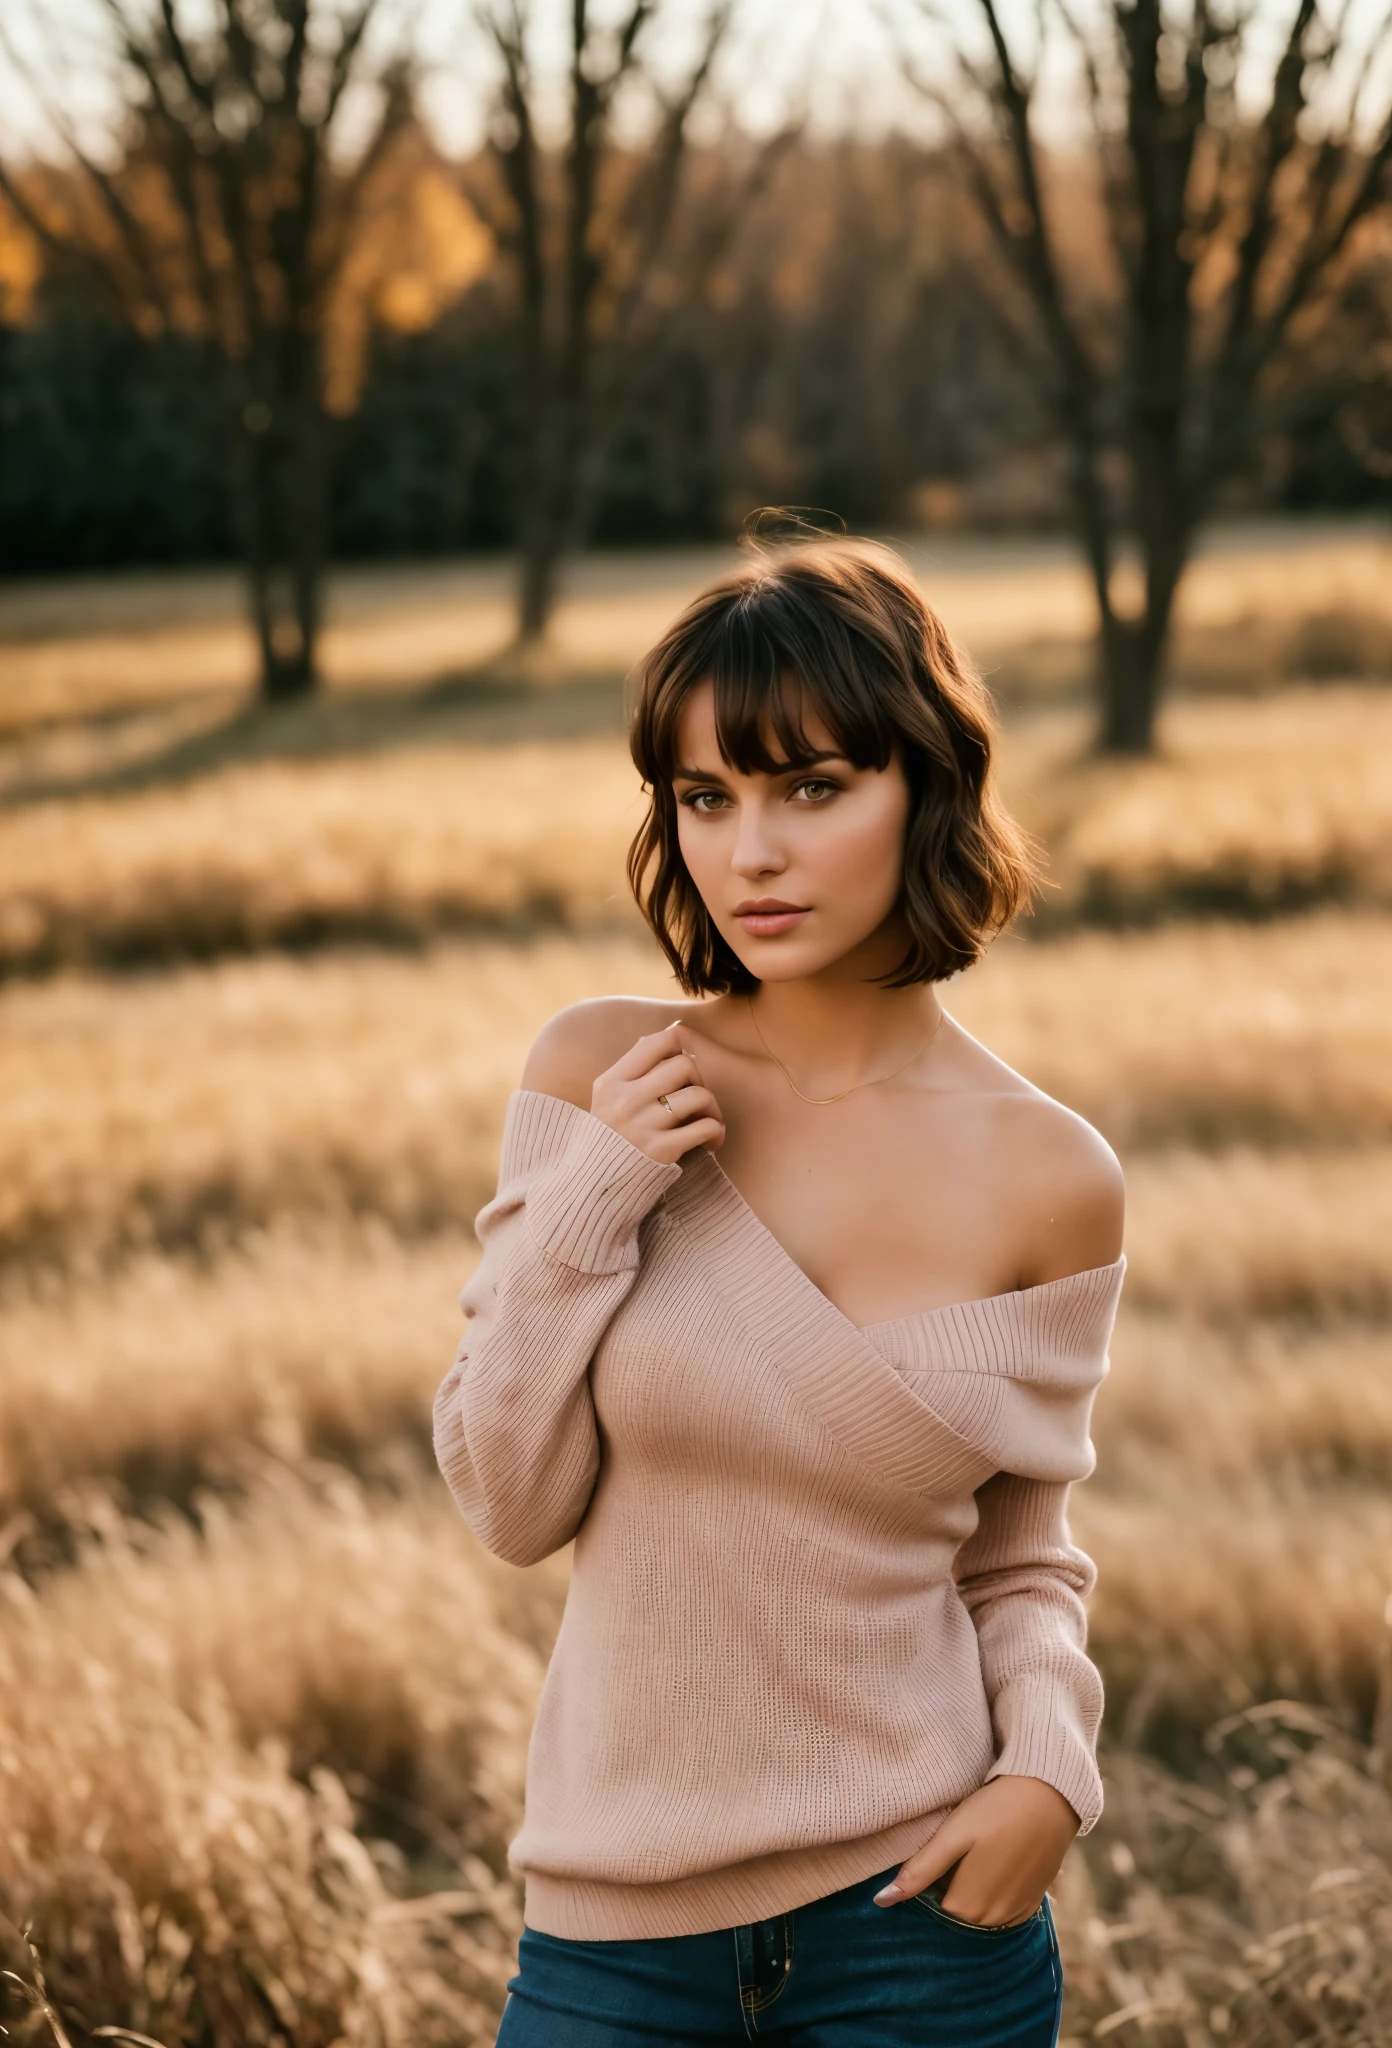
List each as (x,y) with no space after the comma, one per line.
(1237,812)
(1283,1399)
(214,1747)
(1214,1033)
(262,1699)
(187,1108)
(1225,1442)
(1234,816)
(182,1109)
(259,1777)
(392,845)
(1242,1233)
(298,1344)
(1252,1911)
(305,1341)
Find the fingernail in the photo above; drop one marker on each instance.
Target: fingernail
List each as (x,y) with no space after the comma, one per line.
(888,1896)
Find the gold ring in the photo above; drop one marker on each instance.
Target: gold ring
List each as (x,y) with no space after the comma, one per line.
(668,1107)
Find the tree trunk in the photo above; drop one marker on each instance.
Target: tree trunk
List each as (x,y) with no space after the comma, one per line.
(289,673)
(304,492)
(280,501)
(542,548)
(552,514)
(1132,658)
(1130,686)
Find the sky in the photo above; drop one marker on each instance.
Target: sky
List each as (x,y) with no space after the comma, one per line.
(833,58)
(830,51)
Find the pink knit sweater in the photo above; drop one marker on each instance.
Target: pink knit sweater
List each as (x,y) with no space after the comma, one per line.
(823,1584)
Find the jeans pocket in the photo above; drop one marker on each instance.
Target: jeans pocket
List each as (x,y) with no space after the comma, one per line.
(930,1902)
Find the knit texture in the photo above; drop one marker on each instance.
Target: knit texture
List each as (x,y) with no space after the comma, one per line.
(823,1584)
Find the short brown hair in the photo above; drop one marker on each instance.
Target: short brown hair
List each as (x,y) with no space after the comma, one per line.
(844,623)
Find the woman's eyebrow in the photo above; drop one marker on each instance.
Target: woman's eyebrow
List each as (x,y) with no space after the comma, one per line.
(803,761)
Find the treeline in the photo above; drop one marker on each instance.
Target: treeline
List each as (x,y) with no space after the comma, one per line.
(848,356)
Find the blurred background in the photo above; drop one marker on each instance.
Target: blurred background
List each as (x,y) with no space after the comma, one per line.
(376,381)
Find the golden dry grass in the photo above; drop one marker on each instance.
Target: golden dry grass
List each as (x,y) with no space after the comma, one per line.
(178,1109)
(177,1373)
(396,844)
(258,1687)
(1265,1397)
(295,1345)
(358,1632)
(187,1726)
(1259,605)
(1242,1233)
(1240,1516)
(312,1340)
(1254,1912)
(181,1108)
(1216,1593)
(1211,1032)
(1240,813)
(174,1377)
(209,1727)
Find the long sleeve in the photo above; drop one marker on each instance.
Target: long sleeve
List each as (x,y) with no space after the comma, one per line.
(515,1431)
(1024,1581)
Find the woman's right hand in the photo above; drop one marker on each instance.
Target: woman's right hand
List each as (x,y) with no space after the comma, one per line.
(629,1098)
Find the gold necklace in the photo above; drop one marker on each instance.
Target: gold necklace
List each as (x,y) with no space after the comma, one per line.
(820,1101)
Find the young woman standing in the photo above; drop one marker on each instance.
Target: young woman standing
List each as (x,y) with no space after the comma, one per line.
(819,1725)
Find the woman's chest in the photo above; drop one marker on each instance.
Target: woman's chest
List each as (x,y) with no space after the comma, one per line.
(727,1373)
(886,1211)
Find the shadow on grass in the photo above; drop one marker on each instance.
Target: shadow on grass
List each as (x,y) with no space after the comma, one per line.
(140,750)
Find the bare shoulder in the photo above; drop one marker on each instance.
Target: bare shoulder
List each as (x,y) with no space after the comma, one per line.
(1057,1177)
(1069,1194)
(584,1041)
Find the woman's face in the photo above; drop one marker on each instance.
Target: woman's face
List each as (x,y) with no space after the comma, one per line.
(798,870)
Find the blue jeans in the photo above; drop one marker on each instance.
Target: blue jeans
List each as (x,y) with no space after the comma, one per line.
(840,1973)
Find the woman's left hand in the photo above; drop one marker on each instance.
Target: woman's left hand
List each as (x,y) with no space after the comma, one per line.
(1007,1841)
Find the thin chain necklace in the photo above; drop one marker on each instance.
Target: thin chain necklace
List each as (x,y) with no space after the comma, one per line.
(820,1101)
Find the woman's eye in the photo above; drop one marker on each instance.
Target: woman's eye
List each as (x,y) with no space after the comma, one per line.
(705,800)
(815,790)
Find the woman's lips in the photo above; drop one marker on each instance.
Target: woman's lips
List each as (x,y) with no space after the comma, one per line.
(768,919)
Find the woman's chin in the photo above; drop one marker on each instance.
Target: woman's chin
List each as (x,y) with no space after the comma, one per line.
(768,960)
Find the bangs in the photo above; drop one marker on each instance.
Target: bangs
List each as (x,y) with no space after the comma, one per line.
(767,677)
(836,632)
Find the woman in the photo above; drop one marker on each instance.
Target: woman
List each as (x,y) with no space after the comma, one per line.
(819,1725)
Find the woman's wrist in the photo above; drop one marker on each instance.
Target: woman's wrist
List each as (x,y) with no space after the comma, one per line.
(1003,1846)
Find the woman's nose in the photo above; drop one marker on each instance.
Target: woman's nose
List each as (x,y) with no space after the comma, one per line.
(756,848)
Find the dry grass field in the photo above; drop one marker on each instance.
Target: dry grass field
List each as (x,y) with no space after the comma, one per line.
(1309,598)
(263,1701)
(1244,815)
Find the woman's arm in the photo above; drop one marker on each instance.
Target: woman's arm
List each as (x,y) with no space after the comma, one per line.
(515,1431)
(1023,1582)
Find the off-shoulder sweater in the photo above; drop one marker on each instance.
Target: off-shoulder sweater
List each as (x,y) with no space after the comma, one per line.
(823,1585)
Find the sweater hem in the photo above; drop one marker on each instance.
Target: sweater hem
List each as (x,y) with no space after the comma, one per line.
(709,1901)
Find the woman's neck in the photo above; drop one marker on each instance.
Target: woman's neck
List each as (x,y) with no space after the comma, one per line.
(835,1032)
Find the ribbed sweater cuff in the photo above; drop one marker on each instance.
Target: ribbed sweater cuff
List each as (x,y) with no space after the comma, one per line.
(585,1211)
(1047,1740)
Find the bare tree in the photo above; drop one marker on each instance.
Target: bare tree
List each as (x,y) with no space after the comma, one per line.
(229,214)
(585,225)
(1230,188)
